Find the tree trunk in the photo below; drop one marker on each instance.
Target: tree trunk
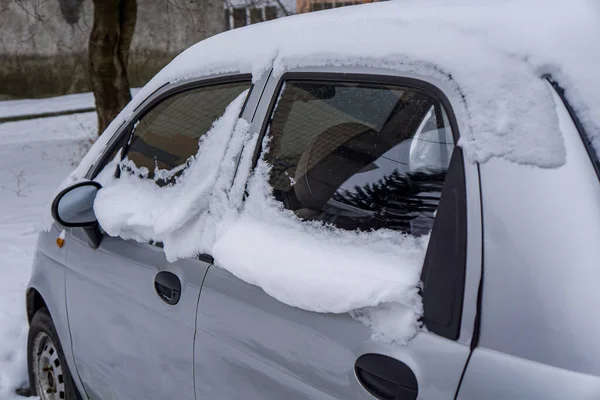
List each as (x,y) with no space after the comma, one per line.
(110,40)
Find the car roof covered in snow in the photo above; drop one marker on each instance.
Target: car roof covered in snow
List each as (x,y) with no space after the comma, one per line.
(492,53)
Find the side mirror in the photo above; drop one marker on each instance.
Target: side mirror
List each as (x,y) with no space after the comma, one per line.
(74,208)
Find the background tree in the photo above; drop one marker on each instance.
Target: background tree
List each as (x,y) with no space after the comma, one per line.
(114,23)
(108,52)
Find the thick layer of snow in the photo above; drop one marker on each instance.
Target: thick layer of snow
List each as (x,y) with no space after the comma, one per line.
(320,268)
(305,265)
(495,53)
(35,156)
(138,209)
(492,53)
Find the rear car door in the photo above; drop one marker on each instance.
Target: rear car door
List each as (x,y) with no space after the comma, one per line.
(361,149)
(131,312)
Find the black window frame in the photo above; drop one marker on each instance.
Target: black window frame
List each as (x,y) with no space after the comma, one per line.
(447,277)
(120,139)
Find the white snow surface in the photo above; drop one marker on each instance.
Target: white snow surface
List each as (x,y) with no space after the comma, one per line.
(70,102)
(307,265)
(138,209)
(492,53)
(35,156)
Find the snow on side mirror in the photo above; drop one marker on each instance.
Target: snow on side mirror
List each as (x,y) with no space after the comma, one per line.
(74,206)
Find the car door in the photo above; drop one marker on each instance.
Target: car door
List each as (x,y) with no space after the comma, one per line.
(131,312)
(331,131)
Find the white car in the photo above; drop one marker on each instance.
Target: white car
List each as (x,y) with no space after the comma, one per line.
(392,201)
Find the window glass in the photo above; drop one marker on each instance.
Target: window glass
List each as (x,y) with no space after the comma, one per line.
(359,156)
(167,136)
(239,17)
(256,15)
(270,12)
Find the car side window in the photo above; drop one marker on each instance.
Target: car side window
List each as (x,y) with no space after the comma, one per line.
(364,156)
(360,156)
(164,138)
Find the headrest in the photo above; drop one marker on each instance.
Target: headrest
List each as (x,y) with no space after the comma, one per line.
(323,167)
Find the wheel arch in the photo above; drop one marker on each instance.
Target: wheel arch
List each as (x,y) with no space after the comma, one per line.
(34,301)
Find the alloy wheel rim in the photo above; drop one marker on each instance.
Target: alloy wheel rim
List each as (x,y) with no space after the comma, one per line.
(49,376)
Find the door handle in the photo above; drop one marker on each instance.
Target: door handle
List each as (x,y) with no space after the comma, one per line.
(168,287)
(386,378)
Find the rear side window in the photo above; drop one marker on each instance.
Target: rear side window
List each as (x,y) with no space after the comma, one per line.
(360,156)
(363,156)
(167,136)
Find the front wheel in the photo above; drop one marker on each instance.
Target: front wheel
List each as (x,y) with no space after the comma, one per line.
(49,375)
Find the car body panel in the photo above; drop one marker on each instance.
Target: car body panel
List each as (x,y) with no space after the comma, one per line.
(227,339)
(126,340)
(471,170)
(496,376)
(541,235)
(251,346)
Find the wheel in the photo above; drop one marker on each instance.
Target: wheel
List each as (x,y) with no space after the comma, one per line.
(49,375)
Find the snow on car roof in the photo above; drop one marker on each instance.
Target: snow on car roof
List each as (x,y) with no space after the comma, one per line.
(491,55)
(494,53)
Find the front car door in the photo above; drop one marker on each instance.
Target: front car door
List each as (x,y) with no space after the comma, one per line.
(329,133)
(132,333)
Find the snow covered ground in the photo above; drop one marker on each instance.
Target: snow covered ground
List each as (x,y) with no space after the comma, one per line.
(71,102)
(35,156)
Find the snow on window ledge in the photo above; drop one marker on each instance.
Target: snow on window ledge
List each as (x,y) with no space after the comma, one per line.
(315,267)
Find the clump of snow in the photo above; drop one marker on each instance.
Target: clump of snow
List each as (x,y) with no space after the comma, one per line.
(313,266)
(322,268)
(307,265)
(135,208)
(491,53)
(390,322)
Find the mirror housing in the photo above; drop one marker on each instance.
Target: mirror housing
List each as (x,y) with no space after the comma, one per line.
(74,208)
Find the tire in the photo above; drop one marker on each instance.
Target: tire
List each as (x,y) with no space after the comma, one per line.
(49,375)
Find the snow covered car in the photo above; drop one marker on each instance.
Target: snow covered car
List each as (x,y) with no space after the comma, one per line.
(393,201)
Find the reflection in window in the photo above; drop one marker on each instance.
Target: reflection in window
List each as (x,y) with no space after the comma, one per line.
(167,136)
(359,156)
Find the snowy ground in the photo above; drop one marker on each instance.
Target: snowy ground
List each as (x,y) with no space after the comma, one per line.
(71,102)
(35,156)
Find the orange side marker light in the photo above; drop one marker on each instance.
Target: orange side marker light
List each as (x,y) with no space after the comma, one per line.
(60,240)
